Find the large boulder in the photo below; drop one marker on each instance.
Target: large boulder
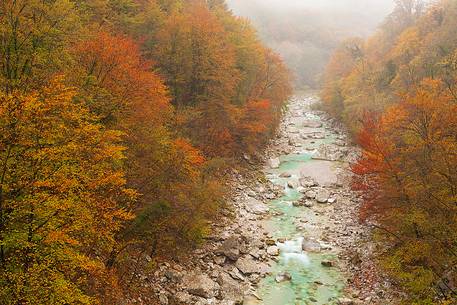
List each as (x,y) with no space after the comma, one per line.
(311,245)
(256,206)
(201,285)
(230,248)
(230,290)
(248,265)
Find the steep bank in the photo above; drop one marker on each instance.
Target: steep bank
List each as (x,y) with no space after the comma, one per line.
(291,235)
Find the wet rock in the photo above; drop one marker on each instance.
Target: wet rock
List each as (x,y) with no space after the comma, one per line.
(274,163)
(230,248)
(327,263)
(201,285)
(285,175)
(322,196)
(283,277)
(311,245)
(292,184)
(273,251)
(297,203)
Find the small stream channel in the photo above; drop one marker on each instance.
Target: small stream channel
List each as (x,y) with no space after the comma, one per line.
(311,283)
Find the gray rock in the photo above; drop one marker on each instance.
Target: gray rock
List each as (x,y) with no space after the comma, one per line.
(322,196)
(230,248)
(307,182)
(311,245)
(312,124)
(283,277)
(230,289)
(274,163)
(163,299)
(273,250)
(345,301)
(327,263)
(247,265)
(255,206)
(201,285)
(292,184)
(236,274)
(173,275)
(310,194)
(285,175)
(182,297)
(331,200)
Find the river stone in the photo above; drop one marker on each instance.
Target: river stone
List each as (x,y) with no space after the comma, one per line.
(247,265)
(274,163)
(201,285)
(310,194)
(230,248)
(307,181)
(231,290)
(273,251)
(322,196)
(270,242)
(312,124)
(308,204)
(283,277)
(345,301)
(311,245)
(327,263)
(285,175)
(292,184)
(256,206)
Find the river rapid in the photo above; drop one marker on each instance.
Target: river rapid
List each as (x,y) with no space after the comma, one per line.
(290,233)
(309,173)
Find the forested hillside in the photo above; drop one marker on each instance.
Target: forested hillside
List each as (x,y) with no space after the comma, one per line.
(397,91)
(118,122)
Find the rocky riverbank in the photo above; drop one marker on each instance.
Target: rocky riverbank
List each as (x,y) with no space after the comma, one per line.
(246,247)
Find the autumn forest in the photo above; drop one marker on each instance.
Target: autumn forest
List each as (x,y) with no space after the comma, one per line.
(122,123)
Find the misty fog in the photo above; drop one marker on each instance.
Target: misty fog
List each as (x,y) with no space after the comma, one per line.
(305,32)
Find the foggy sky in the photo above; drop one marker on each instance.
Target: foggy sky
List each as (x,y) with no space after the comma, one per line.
(357,17)
(305,32)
